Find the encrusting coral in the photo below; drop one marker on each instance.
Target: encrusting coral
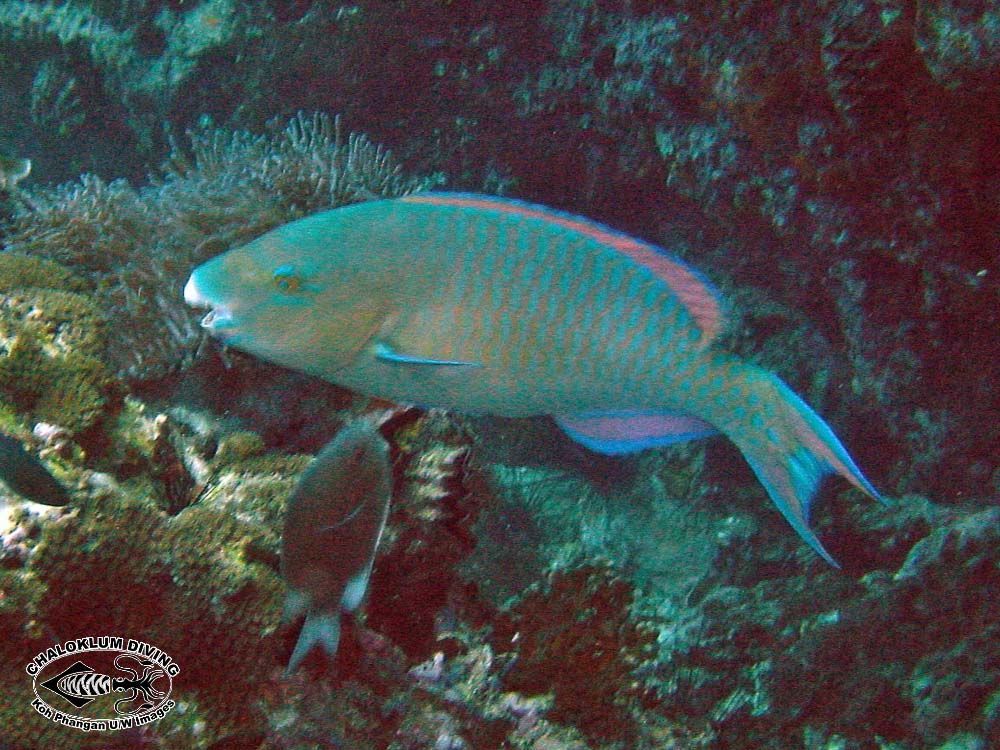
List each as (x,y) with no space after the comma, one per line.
(53,339)
(135,247)
(577,641)
(199,579)
(202,583)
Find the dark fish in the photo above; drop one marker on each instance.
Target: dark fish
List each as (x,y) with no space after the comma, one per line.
(333,524)
(24,474)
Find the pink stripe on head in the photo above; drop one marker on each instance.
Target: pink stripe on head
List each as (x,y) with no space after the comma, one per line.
(691,289)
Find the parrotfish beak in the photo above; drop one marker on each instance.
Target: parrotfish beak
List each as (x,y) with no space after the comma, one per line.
(218,317)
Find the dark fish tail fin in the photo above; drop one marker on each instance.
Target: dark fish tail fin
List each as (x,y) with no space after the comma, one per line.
(319,629)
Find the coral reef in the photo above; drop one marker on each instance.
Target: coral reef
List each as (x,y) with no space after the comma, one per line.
(856,128)
(653,519)
(53,341)
(121,536)
(831,165)
(791,150)
(100,86)
(202,584)
(766,660)
(585,660)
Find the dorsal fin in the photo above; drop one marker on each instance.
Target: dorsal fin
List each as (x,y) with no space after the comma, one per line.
(695,293)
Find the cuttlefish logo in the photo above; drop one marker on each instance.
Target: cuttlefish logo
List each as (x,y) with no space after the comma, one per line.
(103,683)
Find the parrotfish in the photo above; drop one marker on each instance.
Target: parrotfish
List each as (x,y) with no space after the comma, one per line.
(25,474)
(333,523)
(487,305)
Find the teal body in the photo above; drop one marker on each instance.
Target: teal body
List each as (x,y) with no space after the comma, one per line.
(483,305)
(557,326)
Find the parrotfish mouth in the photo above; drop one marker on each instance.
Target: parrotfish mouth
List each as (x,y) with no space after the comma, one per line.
(215,319)
(218,317)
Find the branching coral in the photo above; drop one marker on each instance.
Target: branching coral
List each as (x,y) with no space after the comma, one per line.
(235,185)
(91,225)
(137,246)
(140,57)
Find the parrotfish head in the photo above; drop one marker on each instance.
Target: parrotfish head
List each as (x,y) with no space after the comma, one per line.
(265,297)
(243,290)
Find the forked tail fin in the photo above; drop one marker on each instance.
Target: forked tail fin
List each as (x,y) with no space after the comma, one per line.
(788,445)
(319,629)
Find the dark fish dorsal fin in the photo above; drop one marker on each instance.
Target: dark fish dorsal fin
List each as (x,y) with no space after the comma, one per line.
(695,293)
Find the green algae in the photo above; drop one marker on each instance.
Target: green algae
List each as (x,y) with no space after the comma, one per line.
(237,446)
(51,339)
(46,372)
(21,271)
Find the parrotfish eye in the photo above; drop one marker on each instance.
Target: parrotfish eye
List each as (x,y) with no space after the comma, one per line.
(286,280)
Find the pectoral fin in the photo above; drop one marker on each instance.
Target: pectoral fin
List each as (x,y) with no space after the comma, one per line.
(346,519)
(386,353)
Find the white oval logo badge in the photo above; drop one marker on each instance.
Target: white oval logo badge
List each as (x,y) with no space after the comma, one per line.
(103,683)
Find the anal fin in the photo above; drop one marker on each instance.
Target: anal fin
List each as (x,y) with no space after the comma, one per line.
(632,431)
